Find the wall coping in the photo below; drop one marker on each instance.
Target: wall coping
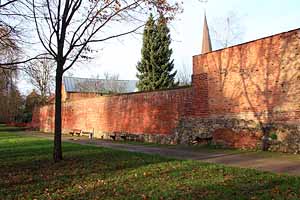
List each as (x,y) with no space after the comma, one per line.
(122,94)
(251,41)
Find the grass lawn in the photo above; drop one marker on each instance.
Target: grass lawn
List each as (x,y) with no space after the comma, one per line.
(27,172)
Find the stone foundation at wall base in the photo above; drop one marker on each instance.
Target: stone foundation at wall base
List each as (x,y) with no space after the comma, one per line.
(288,139)
(238,133)
(149,138)
(233,133)
(224,132)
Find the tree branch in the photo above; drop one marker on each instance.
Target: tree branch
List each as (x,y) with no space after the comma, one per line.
(7,64)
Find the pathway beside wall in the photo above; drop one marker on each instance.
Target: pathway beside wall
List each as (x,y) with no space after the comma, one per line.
(263,161)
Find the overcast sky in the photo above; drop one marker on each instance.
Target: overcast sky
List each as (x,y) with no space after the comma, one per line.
(258,18)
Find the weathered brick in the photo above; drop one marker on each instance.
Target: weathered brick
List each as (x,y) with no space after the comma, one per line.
(149,112)
(251,83)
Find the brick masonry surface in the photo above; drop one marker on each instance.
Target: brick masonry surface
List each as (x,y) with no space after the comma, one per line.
(235,92)
(153,113)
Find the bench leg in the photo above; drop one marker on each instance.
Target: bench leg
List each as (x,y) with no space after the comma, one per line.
(113,137)
(124,138)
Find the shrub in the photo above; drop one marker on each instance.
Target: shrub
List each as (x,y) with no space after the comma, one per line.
(273,136)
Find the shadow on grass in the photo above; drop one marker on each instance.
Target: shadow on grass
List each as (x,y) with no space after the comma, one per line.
(28,172)
(267,186)
(4,128)
(192,180)
(26,165)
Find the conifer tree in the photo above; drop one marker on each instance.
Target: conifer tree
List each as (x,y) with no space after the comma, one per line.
(155,67)
(144,66)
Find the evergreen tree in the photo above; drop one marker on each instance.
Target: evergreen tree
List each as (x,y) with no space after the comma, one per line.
(144,66)
(155,67)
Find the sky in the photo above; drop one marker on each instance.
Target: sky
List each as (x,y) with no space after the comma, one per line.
(258,18)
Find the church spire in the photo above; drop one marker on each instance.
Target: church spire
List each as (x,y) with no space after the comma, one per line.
(206,42)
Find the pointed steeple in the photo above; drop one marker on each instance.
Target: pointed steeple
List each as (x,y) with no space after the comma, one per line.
(206,42)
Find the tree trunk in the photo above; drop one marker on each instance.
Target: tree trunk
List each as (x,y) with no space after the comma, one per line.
(57,151)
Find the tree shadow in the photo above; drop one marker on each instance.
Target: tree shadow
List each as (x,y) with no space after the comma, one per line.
(28,167)
(5,128)
(258,81)
(191,180)
(150,115)
(273,91)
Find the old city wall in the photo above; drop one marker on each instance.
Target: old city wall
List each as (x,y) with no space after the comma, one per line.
(254,85)
(151,115)
(235,93)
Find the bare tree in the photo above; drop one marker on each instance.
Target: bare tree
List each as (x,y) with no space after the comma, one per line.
(8,46)
(8,76)
(11,29)
(41,76)
(16,19)
(7,9)
(184,76)
(65,29)
(227,30)
(114,85)
(10,97)
(109,85)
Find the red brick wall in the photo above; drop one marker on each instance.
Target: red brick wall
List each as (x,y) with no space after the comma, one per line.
(258,80)
(152,113)
(80,95)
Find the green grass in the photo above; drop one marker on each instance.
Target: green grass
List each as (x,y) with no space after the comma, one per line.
(27,172)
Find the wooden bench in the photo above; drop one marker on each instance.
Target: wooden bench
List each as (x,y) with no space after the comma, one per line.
(76,132)
(80,132)
(124,136)
(133,137)
(89,133)
(114,137)
(199,140)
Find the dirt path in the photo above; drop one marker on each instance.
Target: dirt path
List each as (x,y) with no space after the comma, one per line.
(273,162)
